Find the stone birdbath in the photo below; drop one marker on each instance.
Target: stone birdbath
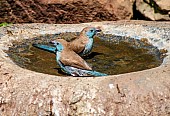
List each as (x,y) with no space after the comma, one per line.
(26,92)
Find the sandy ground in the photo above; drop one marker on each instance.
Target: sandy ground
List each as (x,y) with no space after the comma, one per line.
(24,92)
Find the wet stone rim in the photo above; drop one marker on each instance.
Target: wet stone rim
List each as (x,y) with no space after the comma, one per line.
(125,90)
(157,36)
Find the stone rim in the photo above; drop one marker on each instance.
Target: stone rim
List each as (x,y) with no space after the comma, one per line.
(26,31)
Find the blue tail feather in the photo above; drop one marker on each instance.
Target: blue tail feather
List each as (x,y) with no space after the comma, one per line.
(95,73)
(80,72)
(45,47)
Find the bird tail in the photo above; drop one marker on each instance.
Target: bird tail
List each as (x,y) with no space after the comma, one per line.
(95,73)
(45,47)
(81,73)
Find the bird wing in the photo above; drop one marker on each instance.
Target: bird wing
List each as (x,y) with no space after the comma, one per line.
(70,58)
(79,44)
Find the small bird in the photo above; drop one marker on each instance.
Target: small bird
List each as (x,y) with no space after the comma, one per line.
(71,63)
(82,45)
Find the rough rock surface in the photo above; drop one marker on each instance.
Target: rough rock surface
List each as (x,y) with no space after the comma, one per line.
(80,11)
(24,92)
(29,11)
(163,4)
(122,9)
(154,9)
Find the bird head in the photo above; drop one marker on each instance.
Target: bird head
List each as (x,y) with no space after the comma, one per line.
(59,46)
(90,31)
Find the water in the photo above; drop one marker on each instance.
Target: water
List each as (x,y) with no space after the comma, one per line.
(111,54)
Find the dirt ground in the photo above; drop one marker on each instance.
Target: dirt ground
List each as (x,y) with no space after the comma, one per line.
(29,11)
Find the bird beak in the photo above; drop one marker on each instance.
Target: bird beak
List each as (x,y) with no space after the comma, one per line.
(52,42)
(98,29)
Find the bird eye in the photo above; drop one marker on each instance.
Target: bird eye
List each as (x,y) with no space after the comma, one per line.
(91,30)
(57,43)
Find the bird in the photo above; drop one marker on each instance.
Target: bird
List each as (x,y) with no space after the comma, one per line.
(71,63)
(82,45)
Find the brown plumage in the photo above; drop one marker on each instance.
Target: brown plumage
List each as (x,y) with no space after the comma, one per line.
(82,45)
(69,58)
(79,44)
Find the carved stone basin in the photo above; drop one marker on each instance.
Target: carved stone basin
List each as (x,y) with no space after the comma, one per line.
(25,92)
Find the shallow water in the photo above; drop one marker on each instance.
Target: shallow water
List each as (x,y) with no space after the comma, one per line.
(110,54)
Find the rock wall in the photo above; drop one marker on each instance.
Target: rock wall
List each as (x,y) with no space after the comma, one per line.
(154,9)
(123,9)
